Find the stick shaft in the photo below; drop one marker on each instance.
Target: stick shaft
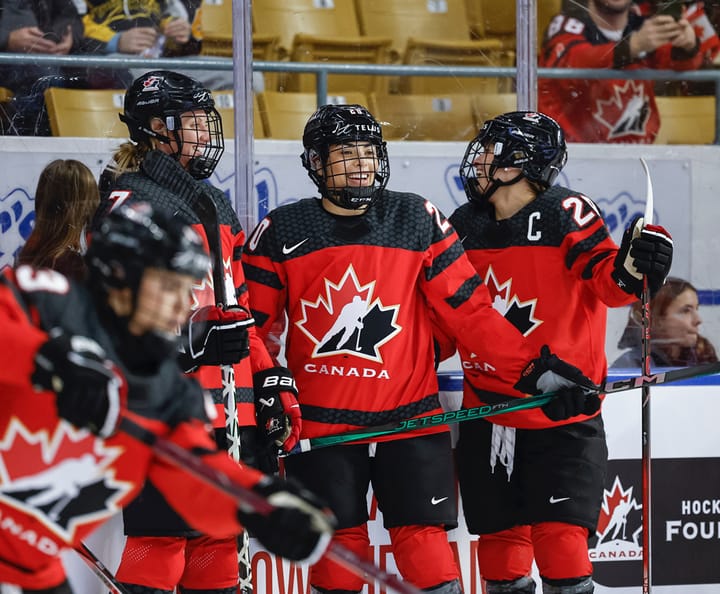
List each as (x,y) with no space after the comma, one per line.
(97,567)
(512,405)
(206,211)
(251,502)
(646,461)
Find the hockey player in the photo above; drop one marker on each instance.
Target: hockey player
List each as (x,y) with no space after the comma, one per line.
(532,481)
(98,353)
(176,143)
(357,272)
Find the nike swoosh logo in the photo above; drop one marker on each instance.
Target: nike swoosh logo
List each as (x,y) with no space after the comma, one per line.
(436,500)
(289,250)
(554,499)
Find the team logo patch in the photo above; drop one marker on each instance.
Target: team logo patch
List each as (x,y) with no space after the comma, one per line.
(625,114)
(63,479)
(520,314)
(152,83)
(348,319)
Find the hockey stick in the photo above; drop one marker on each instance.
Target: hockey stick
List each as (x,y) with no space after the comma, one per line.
(206,211)
(488,410)
(97,567)
(646,461)
(251,502)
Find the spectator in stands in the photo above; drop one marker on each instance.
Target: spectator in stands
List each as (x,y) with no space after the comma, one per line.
(39,27)
(612,34)
(65,200)
(51,27)
(675,340)
(150,29)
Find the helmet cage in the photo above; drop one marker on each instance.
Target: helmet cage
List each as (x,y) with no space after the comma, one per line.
(531,142)
(333,125)
(169,95)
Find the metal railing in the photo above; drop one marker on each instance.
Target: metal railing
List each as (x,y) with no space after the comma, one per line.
(322,70)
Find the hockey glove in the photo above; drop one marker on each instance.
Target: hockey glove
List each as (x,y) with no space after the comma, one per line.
(299,528)
(576,394)
(217,336)
(87,384)
(276,408)
(643,251)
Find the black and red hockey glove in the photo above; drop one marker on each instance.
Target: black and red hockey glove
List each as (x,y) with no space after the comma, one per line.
(300,526)
(644,250)
(276,408)
(87,384)
(575,393)
(217,336)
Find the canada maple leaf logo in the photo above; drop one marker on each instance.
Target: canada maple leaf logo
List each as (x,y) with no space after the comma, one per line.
(62,479)
(347,319)
(620,521)
(626,113)
(520,314)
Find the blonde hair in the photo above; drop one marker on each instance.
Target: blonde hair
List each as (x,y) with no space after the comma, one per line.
(128,157)
(65,200)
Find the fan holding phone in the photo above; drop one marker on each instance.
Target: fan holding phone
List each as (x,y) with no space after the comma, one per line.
(621,35)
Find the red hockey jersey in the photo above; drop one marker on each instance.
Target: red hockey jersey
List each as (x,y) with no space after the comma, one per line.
(58,483)
(598,110)
(358,293)
(548,272)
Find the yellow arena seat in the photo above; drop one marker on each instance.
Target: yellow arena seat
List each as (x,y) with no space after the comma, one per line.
(358,50)
(83,112)
(225,105)
(489,105)
(686,120)
(424,117)
(284,114)
(285,18)
(492,19)
(216,20)
(399,20)
(465,53)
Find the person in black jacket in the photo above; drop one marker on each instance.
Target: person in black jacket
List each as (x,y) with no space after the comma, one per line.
(175,144)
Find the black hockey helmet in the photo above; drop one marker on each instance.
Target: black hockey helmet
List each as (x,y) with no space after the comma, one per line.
(167,95)
(134,237)
(530,141)
(340,124)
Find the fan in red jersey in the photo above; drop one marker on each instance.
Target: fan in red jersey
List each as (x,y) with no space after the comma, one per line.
(78,358)
(360,271)
(532,481)
(612,34)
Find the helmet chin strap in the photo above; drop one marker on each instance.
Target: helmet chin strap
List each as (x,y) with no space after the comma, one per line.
(350,198)
(496,183)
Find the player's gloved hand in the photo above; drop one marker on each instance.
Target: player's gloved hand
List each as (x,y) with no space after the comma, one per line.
(570,402)
(276,408)
(300,526)
(87,385)
(643,251)
(549,373)
(217,336)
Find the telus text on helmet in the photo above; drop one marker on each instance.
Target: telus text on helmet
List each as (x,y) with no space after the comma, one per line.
(346,128)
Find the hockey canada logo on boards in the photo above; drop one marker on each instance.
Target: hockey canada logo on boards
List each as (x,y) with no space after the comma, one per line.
(348,319)
(63,479)
(619,529)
